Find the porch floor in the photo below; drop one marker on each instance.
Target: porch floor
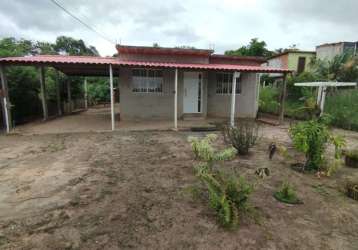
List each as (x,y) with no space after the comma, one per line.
(98,119)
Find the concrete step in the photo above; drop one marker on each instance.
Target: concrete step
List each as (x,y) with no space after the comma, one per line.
(193,117)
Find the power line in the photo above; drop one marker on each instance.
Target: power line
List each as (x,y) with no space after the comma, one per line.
(82,22)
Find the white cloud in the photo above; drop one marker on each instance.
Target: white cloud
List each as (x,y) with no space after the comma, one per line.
(226,23)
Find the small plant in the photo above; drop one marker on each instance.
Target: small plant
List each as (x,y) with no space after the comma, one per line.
(227,195)
(242,137)
(311,138)
(287,194)
(351,158)
(204,151)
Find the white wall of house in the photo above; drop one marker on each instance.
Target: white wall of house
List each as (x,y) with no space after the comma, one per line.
(246,103)
(161,105)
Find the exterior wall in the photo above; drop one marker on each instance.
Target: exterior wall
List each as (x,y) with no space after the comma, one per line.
(135,106)
(246,103)
(293,60)
(145,105)
(328,52)
(235,60)
(278,62)
(164,58)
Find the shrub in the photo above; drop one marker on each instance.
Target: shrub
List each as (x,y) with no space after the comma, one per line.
(227,195)
(242,137)
(311,138)
(204,151)
(287,194)
(269,100)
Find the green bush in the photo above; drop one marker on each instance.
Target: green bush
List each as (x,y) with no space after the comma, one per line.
(227,195)
(243,136)
(342,106)
(287,194)
(204,151)
(311,138)
(268,102)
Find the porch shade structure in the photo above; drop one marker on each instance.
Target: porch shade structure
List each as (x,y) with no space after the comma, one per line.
(236,75)
(104,66)
(322,89)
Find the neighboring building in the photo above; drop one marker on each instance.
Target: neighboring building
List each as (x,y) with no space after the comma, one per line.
(295,60)
(168,83)
(328,51)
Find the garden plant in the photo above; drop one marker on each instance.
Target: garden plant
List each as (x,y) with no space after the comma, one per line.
(243,136)
(311,138)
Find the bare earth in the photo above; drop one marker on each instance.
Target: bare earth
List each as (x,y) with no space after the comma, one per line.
(126,190)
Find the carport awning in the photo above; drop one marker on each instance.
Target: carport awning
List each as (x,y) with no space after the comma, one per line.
(98,66)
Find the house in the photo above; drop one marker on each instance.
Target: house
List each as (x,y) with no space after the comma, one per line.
(295,60)
(328,51)
(148,93)
(164,83)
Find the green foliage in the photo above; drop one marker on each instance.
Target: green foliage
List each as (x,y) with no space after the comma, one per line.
(342,106)
(287,194)
(71,46)
(98,90)
(255,48)
(243,136)
(353,154)
(342,68)
(269,99)
(204,151)
(228,195)
(296,93)
(311,138)
(24,87)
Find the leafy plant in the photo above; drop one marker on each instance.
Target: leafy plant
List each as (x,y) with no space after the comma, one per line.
(227,195)
(287,194)
(311,138)
(268,101)
(204,151)
(242,137)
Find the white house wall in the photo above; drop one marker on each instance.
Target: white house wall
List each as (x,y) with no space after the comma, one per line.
(246,103)
(135,106)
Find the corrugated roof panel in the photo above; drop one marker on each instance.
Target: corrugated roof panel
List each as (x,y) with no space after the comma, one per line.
(58,59)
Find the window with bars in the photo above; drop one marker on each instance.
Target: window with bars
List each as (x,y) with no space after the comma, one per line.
(147,81)
(224,84)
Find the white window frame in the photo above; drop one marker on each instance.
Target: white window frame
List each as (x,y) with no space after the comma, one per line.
(145,80)
(227,80)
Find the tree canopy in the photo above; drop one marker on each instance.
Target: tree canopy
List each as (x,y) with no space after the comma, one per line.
(254,48)
(24,87)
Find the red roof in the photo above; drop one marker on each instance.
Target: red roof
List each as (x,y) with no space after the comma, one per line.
(60,61)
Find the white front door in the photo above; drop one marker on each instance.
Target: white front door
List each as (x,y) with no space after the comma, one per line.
(192,92)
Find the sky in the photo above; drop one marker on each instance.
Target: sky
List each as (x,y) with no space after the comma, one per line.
(219,24)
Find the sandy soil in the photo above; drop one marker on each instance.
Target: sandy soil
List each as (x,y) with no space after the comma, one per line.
(126,190)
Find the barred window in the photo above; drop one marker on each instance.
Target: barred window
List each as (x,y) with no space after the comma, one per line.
(147,81)
(224,84)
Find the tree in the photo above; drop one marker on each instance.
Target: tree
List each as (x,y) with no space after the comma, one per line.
(71,46)
(255,48)
(341,68)
(23,82)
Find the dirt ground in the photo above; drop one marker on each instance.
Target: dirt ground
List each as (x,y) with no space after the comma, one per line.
(125,190)
(98,118)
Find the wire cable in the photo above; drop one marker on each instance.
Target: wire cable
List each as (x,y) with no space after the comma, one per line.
(82,22)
